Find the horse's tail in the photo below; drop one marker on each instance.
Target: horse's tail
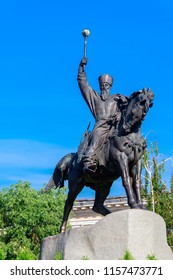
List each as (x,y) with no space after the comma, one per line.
(49,185)
(60,173)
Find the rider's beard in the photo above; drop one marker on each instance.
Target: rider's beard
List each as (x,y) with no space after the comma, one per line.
(104,94)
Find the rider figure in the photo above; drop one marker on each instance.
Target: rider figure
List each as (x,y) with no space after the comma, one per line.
(106,111)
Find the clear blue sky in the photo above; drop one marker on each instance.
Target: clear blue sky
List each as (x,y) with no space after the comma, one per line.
(42,113)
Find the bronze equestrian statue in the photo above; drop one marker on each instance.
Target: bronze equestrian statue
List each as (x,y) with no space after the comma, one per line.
(113,149)
(119,156)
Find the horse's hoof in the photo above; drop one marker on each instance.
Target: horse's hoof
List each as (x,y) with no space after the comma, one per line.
(134,206)
(62,229)
(101,210)
(143,207)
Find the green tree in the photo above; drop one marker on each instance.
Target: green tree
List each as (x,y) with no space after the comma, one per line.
(26,217)
(159,196)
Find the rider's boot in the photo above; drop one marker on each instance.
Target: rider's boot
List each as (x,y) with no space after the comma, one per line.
(89,167)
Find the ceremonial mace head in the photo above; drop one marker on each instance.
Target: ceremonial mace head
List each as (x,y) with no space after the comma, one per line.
(85,33)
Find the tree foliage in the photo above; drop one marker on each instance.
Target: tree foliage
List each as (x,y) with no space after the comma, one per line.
(159,195)
(26,217)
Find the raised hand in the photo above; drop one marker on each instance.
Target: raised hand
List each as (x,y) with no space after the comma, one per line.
(84,61)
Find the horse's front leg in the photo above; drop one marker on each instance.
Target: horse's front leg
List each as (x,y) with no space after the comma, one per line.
(126,180)
(136,183)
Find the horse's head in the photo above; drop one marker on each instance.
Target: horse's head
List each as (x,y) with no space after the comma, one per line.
(139,104)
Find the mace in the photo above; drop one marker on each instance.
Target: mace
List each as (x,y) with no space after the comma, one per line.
(85,33)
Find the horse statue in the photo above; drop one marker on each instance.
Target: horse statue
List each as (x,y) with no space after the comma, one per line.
(122,154)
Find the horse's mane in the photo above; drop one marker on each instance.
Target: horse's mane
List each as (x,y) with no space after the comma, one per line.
(133,115)
(135,94)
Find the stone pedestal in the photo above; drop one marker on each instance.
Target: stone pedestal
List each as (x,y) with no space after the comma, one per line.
(141,232)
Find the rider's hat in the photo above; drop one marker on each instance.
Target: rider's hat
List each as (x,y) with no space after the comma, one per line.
(105,79)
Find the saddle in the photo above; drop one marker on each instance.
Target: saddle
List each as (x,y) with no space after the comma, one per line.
(103,154)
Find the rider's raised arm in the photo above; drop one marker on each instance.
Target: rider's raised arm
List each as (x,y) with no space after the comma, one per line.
(87,92)
(82,78)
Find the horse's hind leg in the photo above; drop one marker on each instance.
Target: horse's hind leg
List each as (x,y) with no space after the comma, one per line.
(101,195)
(74,190)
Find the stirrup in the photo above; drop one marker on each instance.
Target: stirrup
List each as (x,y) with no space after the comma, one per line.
(89,169)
